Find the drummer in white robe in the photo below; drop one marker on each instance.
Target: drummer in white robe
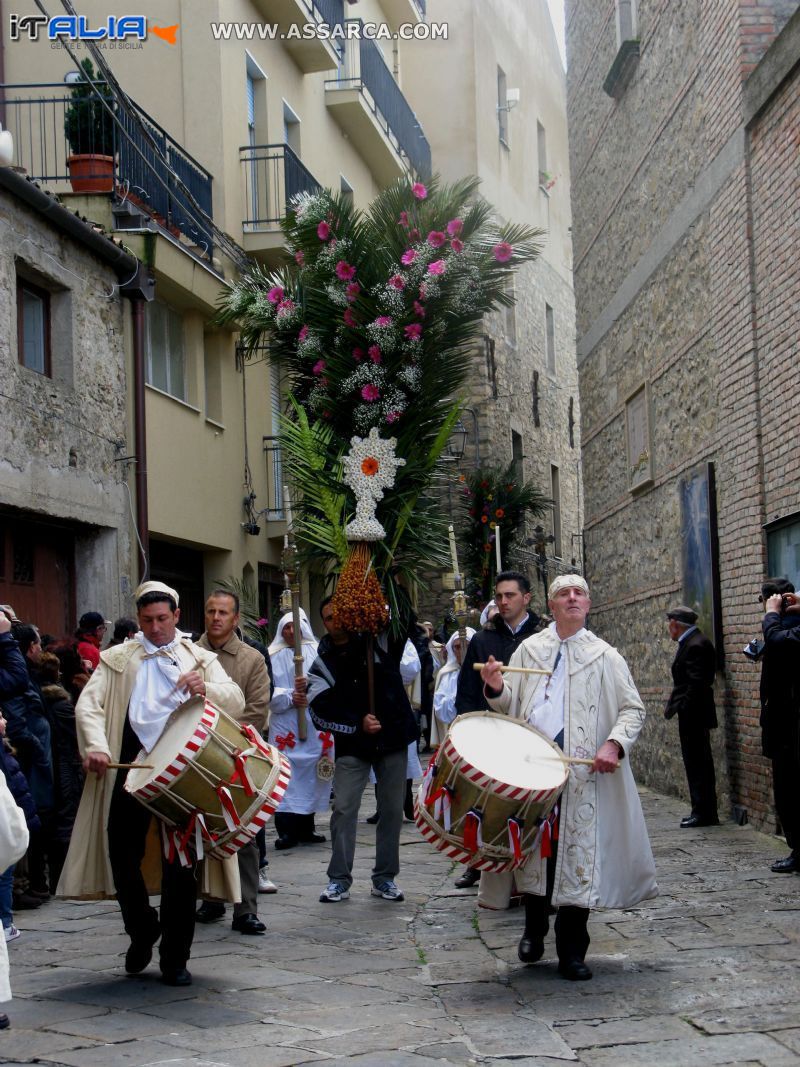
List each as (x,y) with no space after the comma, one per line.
(444,695)
(590,706)
(307,793)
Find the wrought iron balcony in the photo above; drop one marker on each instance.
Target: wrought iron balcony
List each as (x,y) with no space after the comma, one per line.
(312,53)
(273,174)
(365,88)
(149,170)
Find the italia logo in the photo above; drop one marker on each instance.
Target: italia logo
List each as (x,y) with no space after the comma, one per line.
(78,28)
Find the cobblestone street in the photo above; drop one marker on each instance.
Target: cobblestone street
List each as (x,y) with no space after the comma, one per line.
(704,974)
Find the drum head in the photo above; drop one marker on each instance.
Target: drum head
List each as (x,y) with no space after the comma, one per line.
(508,750)
(181,724)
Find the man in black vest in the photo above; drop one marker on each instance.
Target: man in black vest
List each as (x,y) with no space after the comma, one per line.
(692,700)
(500,637)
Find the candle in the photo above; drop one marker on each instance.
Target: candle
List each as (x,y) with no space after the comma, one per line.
(453,554)
(497,547)
(287,506)
(286,541)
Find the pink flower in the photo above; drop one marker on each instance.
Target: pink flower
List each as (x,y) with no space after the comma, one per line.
(352,291)
(419,310)
(413,331)
(423,292)
(436,238)
(319,366)
(323,231)
(358,354)
(303,334)
(284,308)
(299,258)
(397,281)
(503,252)
(408,257)
(275,295)
(403,220)
(454,227)
(262,622)
(350,319)
(457,245)
(393,416)
(374,353)
(419,190)
(370,392)
(413,234)
(344,272)
(382,320)
(437,267)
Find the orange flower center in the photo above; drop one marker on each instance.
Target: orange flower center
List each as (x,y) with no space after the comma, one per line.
(370,466)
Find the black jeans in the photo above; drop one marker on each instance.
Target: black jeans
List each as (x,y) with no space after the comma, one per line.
(128,824)
(572,936)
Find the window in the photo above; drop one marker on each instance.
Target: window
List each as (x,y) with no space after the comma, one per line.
(33,327)
(502,105)
(516,454)
(346,189)
(783,549)
(510,313)
(555,494)
(640,452)
(291,129)
(213,379)
(541,153)
(535,399)
(166,362)
(627,28)
(550,338)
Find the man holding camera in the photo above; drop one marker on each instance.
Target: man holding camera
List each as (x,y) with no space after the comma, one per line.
(780,708)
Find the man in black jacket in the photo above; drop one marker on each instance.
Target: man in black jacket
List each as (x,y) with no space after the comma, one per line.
(780,708)
(500,637)
(692,700)
(339,701)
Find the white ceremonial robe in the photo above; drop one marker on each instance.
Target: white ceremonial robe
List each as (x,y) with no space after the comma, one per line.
(306,794)
(604,855)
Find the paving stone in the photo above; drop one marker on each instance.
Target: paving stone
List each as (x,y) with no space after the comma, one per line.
(201,1012)
(515,1035)
(127,1054)
(117,1026)
(29,1045)
(623,1031)
(698,1052)
(764,1018)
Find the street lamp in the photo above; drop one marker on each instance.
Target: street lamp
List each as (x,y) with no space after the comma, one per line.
(457,443)
(539,542)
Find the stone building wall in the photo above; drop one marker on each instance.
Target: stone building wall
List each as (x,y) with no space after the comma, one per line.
(59,434)
(686,284)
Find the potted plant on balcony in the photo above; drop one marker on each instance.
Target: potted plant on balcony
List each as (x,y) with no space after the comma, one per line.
(89,129)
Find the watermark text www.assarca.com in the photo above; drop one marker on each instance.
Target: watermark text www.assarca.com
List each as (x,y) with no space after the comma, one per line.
(316,31)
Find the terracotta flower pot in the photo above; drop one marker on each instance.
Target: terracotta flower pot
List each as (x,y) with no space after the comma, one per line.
(91,173)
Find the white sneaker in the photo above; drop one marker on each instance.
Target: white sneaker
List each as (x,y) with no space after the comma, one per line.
(265,884)
(11,932)
(388,890)
(334,893)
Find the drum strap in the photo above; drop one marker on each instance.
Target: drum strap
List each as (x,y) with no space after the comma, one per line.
(229,812)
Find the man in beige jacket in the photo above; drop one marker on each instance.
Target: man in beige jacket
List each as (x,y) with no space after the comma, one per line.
(124,707)
(248,668)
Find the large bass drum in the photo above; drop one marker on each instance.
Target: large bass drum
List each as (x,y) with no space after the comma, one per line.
(214,782)
(488,792)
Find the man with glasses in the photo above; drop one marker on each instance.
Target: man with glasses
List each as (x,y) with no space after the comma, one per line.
(595,852)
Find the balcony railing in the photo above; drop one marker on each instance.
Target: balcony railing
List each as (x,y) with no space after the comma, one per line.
(144,171)
(273,174)
(363,67)
(332,11)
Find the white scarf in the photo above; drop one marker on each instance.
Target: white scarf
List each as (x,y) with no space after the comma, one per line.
(155,694)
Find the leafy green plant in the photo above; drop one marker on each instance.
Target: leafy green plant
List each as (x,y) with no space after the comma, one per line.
(371,326)
(88,126)
(495,499)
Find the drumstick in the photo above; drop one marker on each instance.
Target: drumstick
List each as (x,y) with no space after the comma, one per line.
(127,766)
(513,670)
(571,759)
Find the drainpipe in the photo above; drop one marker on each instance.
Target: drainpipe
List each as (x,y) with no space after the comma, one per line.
(140,437)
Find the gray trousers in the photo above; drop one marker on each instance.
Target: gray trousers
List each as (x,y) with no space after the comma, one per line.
(352,775)
(248,876)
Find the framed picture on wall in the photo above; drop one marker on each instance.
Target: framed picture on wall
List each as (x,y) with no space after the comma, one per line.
(637,428)
(699,549)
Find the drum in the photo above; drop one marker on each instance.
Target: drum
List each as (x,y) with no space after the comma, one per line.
(214,781)
(488,792)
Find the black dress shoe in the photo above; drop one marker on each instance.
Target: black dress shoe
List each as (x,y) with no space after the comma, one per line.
(285,842)
(530,949)
(373,819)
(468,879)
(209,911)
(786,865)
(180,976)
(4,1022)
(574,970)
(248,924)
(140,953)
(697,820)
(313,839)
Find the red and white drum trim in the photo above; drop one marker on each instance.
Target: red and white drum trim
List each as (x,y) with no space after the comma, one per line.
(246,833)
(208,720)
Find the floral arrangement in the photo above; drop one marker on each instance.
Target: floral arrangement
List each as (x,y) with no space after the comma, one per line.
(370,323)
(496,499)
